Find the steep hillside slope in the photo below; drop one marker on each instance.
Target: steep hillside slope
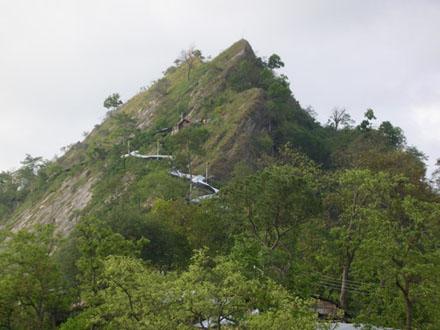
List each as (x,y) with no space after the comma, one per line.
(240,108)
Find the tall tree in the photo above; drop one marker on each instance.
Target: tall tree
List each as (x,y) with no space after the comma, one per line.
(270,208)
(406,260)
(273,202)
(96,241)
(189,57)
(113,101)
(274,62)
(33,294)
(339,117)
(367,123)
(356,198)
(393,135)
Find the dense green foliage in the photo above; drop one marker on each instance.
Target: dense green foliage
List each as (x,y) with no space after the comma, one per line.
(338,212)
(33,293)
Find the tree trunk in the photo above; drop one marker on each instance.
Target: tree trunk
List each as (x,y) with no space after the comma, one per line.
(189,70)
(408,303)
(409,313)
(343,297)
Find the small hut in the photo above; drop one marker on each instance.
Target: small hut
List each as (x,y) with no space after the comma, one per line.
(326,308)
(183,122)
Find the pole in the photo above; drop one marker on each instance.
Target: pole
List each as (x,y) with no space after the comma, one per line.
(206,172)
(190,170)
(157,148)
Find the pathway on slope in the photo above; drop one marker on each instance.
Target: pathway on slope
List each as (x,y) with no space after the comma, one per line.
(198,180)
(136,154)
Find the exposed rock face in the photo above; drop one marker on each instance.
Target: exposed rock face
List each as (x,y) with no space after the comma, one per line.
(60,207)
(241,50)
(145,115)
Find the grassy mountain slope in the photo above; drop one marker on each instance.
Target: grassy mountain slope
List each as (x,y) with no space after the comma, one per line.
(246,110)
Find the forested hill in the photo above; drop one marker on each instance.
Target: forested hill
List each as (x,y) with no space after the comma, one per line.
(216,177)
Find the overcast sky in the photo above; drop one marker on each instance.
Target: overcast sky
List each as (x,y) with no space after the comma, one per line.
(60,59)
